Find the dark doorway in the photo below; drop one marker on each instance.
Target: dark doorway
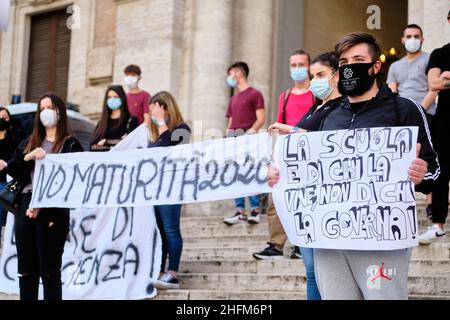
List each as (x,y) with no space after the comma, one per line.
(48,64)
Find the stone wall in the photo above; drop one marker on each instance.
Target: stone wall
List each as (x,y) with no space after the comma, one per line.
(327,21)
(431,15)
(185,46)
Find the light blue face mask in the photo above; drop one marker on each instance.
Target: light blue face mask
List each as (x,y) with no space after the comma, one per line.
(321,88)
(114,103)
(231,82)
(299,74)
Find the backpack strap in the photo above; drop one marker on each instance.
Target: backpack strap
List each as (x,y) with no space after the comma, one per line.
(287,93)
(128,124)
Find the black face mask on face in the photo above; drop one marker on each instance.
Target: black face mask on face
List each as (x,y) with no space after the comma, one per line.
(4,125)
(354,79)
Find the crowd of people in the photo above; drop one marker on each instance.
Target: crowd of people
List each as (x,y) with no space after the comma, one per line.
(321,98)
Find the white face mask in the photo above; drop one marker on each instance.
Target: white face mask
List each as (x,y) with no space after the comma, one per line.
(131,81)
(49,118)
(413,45)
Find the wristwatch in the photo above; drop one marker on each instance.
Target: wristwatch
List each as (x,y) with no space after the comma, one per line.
(160,123)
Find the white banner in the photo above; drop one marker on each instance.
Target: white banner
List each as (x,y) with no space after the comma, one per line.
(347,189)
(4,14)
(204,171)
(110,253)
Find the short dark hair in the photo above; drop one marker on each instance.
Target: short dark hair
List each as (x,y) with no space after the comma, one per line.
(327,59)
(354,38)
(413,26)
(132,68)
(301,52)
(242,66)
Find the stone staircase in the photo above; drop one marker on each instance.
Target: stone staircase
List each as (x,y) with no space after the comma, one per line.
(217,263)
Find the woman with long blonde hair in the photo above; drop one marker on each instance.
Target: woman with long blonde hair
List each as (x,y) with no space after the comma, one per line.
(168,129)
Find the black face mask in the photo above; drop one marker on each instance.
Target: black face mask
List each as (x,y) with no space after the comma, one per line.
(354,79)
(4,125)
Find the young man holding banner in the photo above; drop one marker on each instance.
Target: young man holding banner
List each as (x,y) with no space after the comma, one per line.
(370,106)
(347,274)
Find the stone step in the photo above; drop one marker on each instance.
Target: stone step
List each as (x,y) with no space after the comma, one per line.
(241,295)
(429,285)
(216,227)
(228,295)
(193,241)
(250,240)
(429,297)
(438,250)
(243,282)
(419,285)
(289,266)
(255,295)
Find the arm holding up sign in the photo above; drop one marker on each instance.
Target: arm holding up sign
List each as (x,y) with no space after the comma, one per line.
(418,168)
(413,115)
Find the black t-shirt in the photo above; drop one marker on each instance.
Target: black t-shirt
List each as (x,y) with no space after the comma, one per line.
(312,120)
(7,147)
(115,133)
(440,58)
(357,106)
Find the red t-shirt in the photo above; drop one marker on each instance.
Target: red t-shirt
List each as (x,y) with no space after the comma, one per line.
(297,106)
(242,108)
(138,104)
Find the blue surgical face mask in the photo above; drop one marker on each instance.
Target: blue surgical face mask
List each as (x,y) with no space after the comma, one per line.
(299,74)
(232,82)
(114,103)
(321,88)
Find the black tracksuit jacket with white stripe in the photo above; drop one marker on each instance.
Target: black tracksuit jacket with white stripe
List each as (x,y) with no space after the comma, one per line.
(387,109)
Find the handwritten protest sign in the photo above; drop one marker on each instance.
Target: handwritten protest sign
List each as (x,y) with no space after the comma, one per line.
(347,189)
(110,253)
(203,171)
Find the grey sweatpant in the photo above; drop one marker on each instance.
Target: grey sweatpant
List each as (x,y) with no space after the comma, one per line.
(355,275)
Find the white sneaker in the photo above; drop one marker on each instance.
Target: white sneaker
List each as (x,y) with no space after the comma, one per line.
(237,218)
(254,218)
(431,235)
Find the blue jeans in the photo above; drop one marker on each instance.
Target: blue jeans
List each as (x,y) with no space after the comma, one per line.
(312,292)
(168,220)
(254,203)
(3,212)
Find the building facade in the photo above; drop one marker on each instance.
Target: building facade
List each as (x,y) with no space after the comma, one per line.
(79,47)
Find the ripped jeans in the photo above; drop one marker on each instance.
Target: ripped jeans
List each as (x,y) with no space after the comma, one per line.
(40,245)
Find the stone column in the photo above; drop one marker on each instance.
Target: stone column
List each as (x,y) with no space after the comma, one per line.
(431,16)
(6,53)
(210,58)
(205,94)
(253,24)
(148,34)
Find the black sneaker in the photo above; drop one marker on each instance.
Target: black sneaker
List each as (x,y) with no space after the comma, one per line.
(167,281)
(429,211)
(268,253)
(295,253)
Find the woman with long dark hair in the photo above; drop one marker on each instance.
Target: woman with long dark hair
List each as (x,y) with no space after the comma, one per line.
(324,86)
(41,233)
(116,122)
(7,146)
(168,129)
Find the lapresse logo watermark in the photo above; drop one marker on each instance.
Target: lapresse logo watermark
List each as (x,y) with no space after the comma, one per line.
(377,275)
